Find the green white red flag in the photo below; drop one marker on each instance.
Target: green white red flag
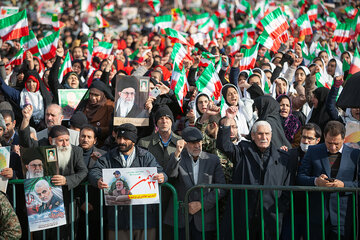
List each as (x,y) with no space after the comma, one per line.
(155,5)
(66,67)
(275,23)
(355,64)
(14,26)
(103,50)
(175,36)
(48,46)
(198,19)
(332,21)
(304,24)
(30,43)
(18,58)
(234,45)
(312,12)
(210,83)
(162,22)
(320,81)
(246,40)
(179,84)
(211,24)
(101,22)
(90,53)
(342,33)
(57,25)
(179,54)
(249,59)
(351,12)
(240,29)
(243,7)
(224,28)
(110,7)
(206,59)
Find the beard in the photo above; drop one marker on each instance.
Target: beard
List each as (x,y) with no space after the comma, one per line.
(64,154)
(123,107)
(123,148)
(31,174)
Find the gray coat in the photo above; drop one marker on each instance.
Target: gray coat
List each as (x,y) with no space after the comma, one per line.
(210,172)
(112,159)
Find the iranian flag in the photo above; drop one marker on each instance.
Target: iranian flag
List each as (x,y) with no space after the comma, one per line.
(179,54)
(197,38)
(246,40)
(243,7)
(48,46)
(14,26)
(164,21)
(18,58)
(103,50)
(355,64)
(155,5)
(211,24)
(65,68)
(275,23)
(342,33)
(249,59)
(223,27)
(199,19)
(209,83)
(175,36)
(351,12)
(240,29)
(234,45)
(312,12)
(206,59)
(101,22)
(269,42)
(90,53)
(320,19)
(30,43)
(332,21)
(110,7)
(304,24)
(179,84)
(57,25)
(320,81)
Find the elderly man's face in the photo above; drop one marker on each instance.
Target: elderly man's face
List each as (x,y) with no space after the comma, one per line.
(61,141)
(119,185)
(53,116)
(44,193)
(35,168)
(127,94)
(262,137)
(194,148)
(164,124)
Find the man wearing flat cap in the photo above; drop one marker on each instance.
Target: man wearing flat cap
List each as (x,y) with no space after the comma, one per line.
(127,155)
(187,167)
(125,105)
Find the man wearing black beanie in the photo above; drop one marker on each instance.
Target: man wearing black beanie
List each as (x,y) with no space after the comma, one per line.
(127,155)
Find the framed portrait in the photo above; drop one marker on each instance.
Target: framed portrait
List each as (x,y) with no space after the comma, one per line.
(131,93)
(4,163)
(69,99)
(39,162)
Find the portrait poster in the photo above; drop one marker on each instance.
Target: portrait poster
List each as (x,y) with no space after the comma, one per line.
(130,186)
(69,99)
(7,11)
(131,93)
(44,204)
(4,163)
(39,161)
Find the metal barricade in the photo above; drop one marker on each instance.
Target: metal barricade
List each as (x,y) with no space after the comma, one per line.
(276,189)
(19,183)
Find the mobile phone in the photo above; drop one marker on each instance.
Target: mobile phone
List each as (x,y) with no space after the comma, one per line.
(330,179)
(155,92)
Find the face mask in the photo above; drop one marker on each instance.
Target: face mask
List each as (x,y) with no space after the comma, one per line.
(304,147)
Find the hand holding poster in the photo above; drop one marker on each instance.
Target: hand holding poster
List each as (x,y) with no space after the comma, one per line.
(130,97)
(4,163)
(130,186)
(44,204)
(69,100)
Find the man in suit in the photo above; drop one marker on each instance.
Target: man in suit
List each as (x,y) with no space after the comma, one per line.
(331,164)
(189,166)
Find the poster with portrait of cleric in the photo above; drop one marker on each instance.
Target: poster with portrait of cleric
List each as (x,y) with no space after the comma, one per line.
(4,163)
(69,99)
(131,93)
(44,204)
(39,161)
(130,186)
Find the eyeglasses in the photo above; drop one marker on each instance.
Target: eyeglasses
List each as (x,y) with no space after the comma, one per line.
(308,138)
(36,165)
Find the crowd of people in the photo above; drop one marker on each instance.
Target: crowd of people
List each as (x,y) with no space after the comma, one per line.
(274,123)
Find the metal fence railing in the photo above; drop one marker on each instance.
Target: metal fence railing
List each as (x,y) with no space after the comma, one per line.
(18,183)
(261,188)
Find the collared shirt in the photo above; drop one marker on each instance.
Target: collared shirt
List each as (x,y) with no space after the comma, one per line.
(340,151)
(195,166)
(11,139)
(165,144)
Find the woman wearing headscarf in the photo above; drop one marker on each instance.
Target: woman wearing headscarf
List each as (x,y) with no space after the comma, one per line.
(98,106)
(268,110)
(318,114)
(33,93)
(290,122)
